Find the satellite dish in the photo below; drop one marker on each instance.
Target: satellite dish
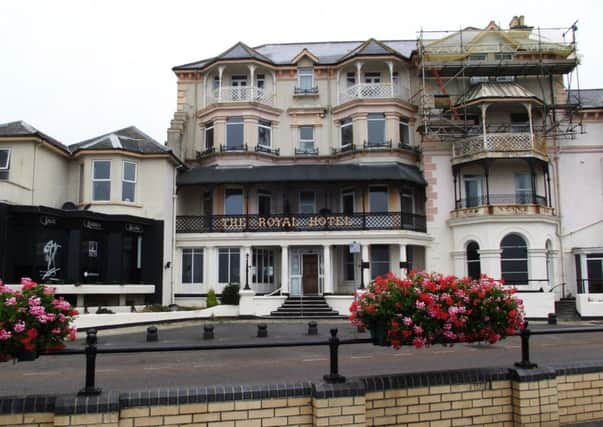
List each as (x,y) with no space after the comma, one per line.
(69,206)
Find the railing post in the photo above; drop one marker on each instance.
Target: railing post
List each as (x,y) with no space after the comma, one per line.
(525,350)
(333,376)
(90,389)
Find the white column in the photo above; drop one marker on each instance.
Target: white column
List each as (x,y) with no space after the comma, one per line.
(251,82)
(490,262)
(337,83)
(358,69)
(529,108)
(204,86)
(211,268)
(365,257)
(246,250)
(583,274)
(285,270)
(403,271)
(537,268)
(459,263)
(220,73)
(390,65)
(329,287)
(484,107)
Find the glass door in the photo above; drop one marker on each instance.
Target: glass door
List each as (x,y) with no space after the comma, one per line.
(473,190)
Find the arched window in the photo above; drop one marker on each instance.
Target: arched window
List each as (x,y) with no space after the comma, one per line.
(474,269)
(514,260)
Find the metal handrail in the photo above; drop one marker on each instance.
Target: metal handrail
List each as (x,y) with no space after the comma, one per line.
(524,198)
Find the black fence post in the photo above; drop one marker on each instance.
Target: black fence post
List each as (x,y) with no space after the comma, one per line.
(525,350)
(333,376)
(90,389)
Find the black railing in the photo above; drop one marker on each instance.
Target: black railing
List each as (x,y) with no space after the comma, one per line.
(306,91)
(233,147)
(301,222)
(268,150)
(306,151)
(590,286)
(345,149)
(527,198)
(206,152)
(91,351)
(367,145)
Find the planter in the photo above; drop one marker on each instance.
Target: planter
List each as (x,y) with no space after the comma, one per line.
(27,355)
(379,333)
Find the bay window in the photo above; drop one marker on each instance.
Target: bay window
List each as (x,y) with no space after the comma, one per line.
(101,180)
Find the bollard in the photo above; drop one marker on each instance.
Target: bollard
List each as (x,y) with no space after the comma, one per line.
(262,330)
(552,319)
(89,389)
(525,350)
(333,376)
(312,328)
(152,334)
(208,332)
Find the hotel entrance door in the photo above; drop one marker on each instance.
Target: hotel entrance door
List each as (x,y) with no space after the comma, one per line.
(310,274)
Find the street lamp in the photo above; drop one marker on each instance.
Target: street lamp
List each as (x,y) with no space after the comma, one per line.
(247,288)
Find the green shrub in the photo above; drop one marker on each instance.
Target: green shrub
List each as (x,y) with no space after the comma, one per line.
(211,298)
(230,295)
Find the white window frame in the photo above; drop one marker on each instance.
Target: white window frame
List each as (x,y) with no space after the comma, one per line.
(268,127)
(93,180)
(124,180)
(205,130)
(346,253)
(194,251)
(231,250)
(404,123)
(305,72)
(313,140)
(6,166)
(372,117)
(267,261)
(373,76)
(479,180)
(347,122)
(234,123)
(313,200)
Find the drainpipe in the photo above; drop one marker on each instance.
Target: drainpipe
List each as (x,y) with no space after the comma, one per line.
(33,173)
(173,243)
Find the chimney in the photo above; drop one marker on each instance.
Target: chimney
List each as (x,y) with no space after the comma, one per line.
(515,22)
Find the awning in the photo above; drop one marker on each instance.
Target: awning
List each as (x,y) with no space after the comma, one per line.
(301,173)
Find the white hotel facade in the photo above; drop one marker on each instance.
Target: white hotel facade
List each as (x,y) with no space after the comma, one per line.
(310,168)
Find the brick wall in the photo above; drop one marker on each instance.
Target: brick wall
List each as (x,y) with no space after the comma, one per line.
(550,396)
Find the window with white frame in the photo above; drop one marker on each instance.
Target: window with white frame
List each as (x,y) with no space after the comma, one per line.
(306,139)
(216,82)
(101,180)
(263,266)
(523,188)
(347,133)
(260,81)
(474,270)
(305,79)
(473,190)
(234,132)
(192,265)
(372,77)
(264,134)
(514,260)
(128,182)
(209,136)
(349,267)
(229,260)
(350,79)
(379,260)
(4,163)
(307,202)
(376,129)
(404,132)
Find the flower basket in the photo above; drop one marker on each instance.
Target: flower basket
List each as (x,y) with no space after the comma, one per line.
(33,321)
(427,309)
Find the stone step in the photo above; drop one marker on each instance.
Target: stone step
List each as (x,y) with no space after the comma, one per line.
(297,309)
(305,314)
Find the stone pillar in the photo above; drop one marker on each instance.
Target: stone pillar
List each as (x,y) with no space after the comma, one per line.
(535,397)
(490,262)
(537,268)
(392,128)
(584,274)
(211,267)
(403,258)
(250,132)
(365,258)
(329,286)
(285,270)
(459,263)
(339,404)
(219,132)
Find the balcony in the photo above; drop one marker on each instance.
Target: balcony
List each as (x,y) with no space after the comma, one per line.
(526,203)
(301,222)
(373,91)
(240,94)
(498,145)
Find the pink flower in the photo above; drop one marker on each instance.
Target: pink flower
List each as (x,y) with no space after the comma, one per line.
(407,321)
(56,331)
(49,291)
(19,327)
(27,283)
(61,304)
(61,317)
(420,305)
(10,301)
(34,301)
(418,330)
(4,335)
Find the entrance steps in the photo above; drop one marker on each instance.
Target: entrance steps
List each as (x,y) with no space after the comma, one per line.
(314,306)
(565,309)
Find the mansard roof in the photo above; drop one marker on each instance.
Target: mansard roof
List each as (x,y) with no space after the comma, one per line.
(21,128)
(327,53)
(127,139)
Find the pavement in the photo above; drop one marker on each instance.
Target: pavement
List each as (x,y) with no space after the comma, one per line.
(126,372)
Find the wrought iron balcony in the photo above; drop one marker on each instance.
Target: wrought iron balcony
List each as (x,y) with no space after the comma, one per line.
(300,222)
(233,147)
(267,150)
(306,91)
(306,151)
(367,145)
(373,91)
(519,204)
(240,94)
(524,198)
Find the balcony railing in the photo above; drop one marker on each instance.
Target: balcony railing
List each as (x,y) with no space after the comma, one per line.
(300,222)
(527,198)
(498,142)
(224,147)
(240,94)
(372,91)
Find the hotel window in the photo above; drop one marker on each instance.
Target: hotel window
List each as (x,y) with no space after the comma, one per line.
(234,132)
(233,201)
(372,77)
(208,204)
(404,132)
(307,202)
(347,202)
(523,188)
(474,269)
(4,163)
(379,260)
(260,81)
(264,134)
(514,260)
(101,180)
(347,133)
(128,182)
(520,122)
(305,79)
(306,140)
(376,129)
(473,190)
(209,136)
(350,79)
(264,203)
(216,82)
(378,199)
(349,268)
(263,263)
(239,88)
(228,265)
(192,265)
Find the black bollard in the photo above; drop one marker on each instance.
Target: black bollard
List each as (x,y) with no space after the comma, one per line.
(208,332)
(312,328)
(262,330)
(333,376)
(552,319)
(525,349)
(152,334)
(89,389)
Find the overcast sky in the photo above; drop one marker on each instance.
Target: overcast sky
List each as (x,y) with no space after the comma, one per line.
(78,69)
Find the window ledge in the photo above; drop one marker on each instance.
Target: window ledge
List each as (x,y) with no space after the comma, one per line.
(110,203)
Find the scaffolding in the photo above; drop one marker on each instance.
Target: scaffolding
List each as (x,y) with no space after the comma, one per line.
(451,62)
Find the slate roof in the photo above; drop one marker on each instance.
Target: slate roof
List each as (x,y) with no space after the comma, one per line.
(21,128)
(500,90)
(326,52)
(128,139)
(587,98)
(301,173)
